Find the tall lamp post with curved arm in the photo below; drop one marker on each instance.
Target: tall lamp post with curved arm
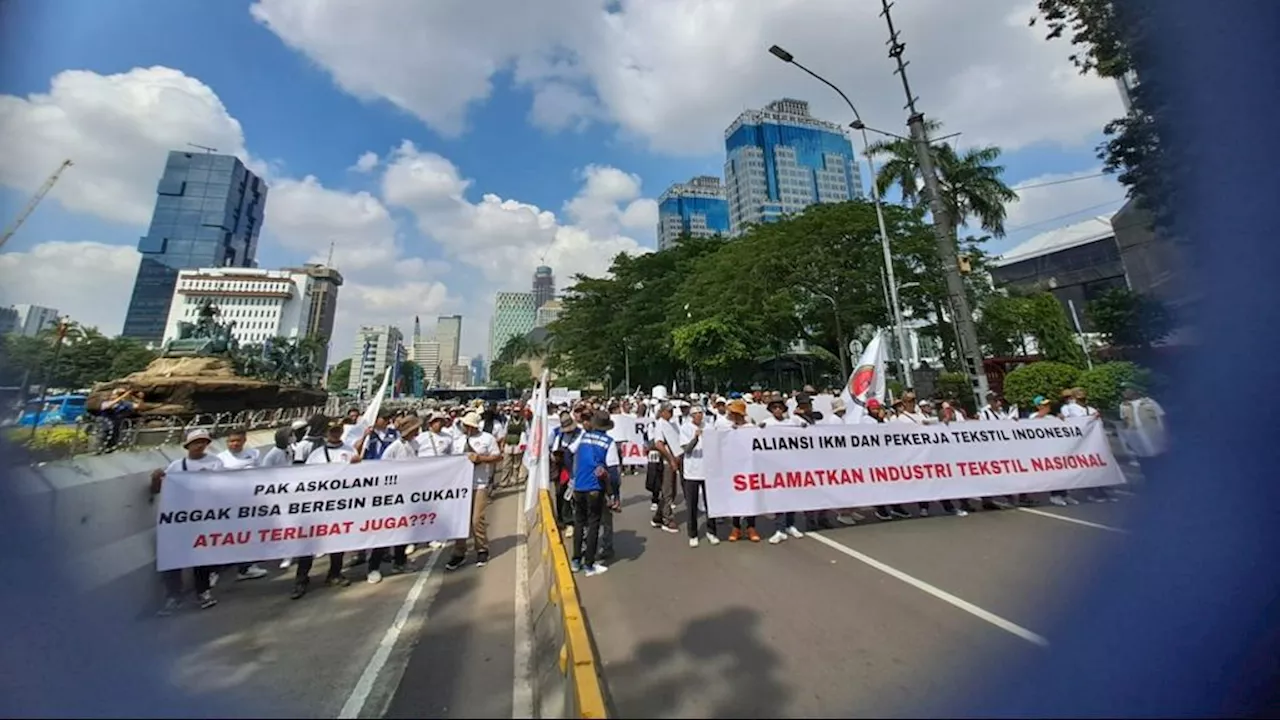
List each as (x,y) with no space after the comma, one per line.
(858,125)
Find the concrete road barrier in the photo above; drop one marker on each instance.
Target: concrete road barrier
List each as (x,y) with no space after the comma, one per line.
(566,672)
(98,507)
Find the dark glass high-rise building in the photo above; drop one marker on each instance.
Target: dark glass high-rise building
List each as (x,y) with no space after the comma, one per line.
(544,286)
(208,213)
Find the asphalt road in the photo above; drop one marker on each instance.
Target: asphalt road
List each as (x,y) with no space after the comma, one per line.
(900,618)
(423,644)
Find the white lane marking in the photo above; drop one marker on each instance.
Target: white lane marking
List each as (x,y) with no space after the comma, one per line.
(364,686)
(1077,521)
(939,593)
(522,690)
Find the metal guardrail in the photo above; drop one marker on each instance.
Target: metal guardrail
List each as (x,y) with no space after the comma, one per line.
(583,693)
(155,430)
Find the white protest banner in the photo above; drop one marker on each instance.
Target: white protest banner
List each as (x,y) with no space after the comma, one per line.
(628,433)
(224,518)
(536,457)
(752,471)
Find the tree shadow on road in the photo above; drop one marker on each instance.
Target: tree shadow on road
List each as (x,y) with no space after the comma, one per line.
(715,666)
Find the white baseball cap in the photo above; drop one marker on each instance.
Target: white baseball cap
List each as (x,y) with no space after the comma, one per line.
(197,435)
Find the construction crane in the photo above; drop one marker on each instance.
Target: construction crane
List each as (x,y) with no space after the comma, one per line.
(33,202)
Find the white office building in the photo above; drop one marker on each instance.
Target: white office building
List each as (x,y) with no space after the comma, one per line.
(548,313)
(374,350)
(263,304)
(34,318)
(426,353)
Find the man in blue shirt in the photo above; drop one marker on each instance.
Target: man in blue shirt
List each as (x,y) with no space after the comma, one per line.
(595,465)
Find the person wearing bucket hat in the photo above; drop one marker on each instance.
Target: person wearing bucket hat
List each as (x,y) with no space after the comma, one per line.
(332,450)
(404,447)
(197,459)
(483,451)
(560,447)
(433,440)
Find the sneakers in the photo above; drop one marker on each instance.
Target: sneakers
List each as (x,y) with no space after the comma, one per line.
(670,528)
(356,560)
(286,563)
(883,516)
(989,505)
(1058,500)
(213,580)
(899,513)
(299,589)
(373,578)
(846,519)
(752,535)
(596,569)
(337,581)
(436,544)
(575,565)
(711,538)
(960,512)
(568,531)
(207,600)
(482,559)
(777,537)
(794,531)
(171,606)
(693,542)
(455,563)
(1072,501)
(397,569)
(655,524)
(253,572)
(735,535)
(653,507)
(408,549)
(924,512)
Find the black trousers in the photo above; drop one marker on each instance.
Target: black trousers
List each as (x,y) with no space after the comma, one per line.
(564,506)
(741,522)
(587,507)
(398,557)
(303,573)
(693,491)
(173,580)
(606,532)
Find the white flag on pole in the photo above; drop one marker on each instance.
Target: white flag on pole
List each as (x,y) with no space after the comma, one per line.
(353,433)
(866,382)
(535,452)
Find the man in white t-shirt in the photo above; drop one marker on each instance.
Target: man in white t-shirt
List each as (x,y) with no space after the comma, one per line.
(483,451)
(666,440)
(695,475)
(239,457)
(197,459)
(332,450)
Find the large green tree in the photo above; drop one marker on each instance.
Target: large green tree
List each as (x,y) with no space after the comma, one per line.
(1111,39)
(1128,319)
(339,376)
(87,357)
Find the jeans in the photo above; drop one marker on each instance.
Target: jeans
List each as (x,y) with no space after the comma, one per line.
(606,532)
(782,521)
(173,580)
(303,573)
(740,522)
(398,557)
(693,490)
(587,508)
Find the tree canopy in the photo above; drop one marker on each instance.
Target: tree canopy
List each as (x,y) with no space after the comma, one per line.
(87,357)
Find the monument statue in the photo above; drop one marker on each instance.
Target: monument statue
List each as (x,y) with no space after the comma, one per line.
(206,337)
(205,369)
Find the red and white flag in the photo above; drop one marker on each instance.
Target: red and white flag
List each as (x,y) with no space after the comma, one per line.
(866,382)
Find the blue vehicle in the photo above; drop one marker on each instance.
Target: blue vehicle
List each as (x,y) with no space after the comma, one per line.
(58,410)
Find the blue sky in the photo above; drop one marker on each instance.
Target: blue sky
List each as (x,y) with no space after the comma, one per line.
(569,109)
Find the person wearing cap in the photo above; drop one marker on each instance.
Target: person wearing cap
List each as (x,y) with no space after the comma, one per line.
(695,475)
(837,416)
(404,447)
(332,451)
(1075,404)
(435,441)
(995,410)
(482,449)
(560,449)
(666,441)
(736,419)
(595,467)
(784,523)
(239,457)
(197,459)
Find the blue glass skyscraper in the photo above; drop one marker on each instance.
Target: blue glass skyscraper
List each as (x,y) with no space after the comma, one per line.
(208,213)
(781,159)
(697,208)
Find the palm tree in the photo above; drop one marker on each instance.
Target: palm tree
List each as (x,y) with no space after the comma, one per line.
(520,347)
(970,181)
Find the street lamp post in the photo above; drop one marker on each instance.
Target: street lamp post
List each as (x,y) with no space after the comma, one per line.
(858,125)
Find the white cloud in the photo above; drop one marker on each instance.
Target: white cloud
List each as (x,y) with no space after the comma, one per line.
(366,162)
(89,281)
(117,129)
(305,216)
(505,239)
(1054,200)
(675,73)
